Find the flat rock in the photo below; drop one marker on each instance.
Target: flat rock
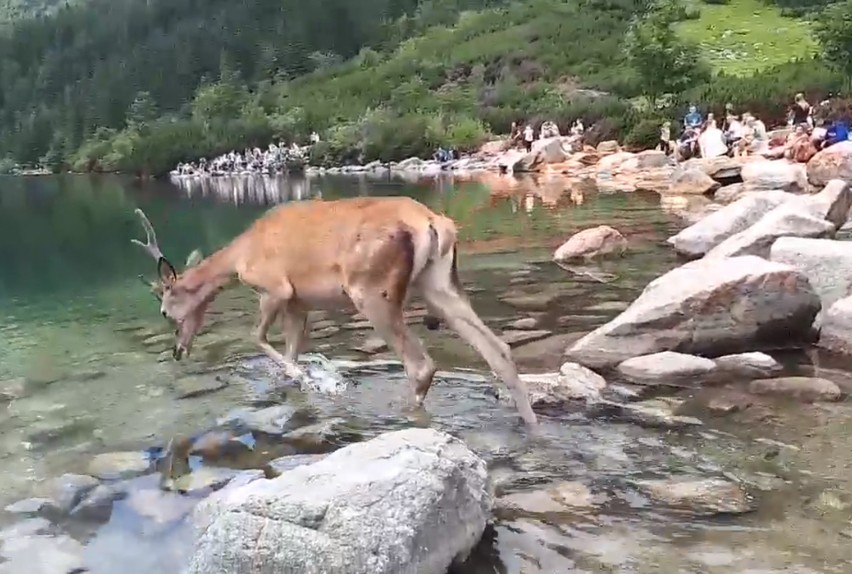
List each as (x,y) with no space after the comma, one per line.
(654,413)
(515,338)
(408,501)
(699,496)
(698,239)
(836,332)
(42,554)
(706,308)
(318,436)
(804,389)
(554,498)
(204,479)
(97,504)
(573,382)
(285,463)
(691,181)
(525,324)
(752,365)
(667,369)
(271,420)
(768,174)
(119,465)
(825,262)
(30,506)
(199,385)
(594,242)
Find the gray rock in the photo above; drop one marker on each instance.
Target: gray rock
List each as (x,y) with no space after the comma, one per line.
(699,496)
(722,167)
(691,181)
(548,150)
(203,479)
(836,332)
(655,413)
(593,242)
(271,420)
(408,501)
(285,463)
(804,389)
(555,498)
(834,162)
(199,385)
(763,175)
(515,338)
(752,365)
(40,554)
(759,238)
(317,436)
(730,193)
(698,239)
(97,505)
(572,383)
(825,262)
(706,307)
(525,324)
(30,506)
(68,490)
(117,465)
(667,369)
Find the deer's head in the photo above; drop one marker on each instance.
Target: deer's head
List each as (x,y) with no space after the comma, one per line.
(181,301)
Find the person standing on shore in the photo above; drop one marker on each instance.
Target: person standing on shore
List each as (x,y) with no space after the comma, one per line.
(529,136)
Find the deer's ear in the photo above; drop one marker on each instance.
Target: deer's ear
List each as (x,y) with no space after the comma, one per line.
(194,258)
(167,273)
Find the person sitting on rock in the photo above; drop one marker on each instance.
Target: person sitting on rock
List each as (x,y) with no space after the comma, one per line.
(712,141)
(800,111)
(577,128)
(836,132)
(693,118)
(734,133)
(665,144)
(687,145)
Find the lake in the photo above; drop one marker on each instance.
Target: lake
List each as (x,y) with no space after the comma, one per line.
(85,370)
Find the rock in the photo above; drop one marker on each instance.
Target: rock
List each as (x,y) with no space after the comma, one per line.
(617,162)
(836,332)
(699,496)
(804,389)
(319,436)
(655,413)
(271,420)
(651,159)
(29,527)
(555,498)
(409,501)
(731,193)
(826,263)
(698,239)
(833,203)
(832,163)
(119,465)
(719,168)
(608,147)
(97,504)
(706,308)
(691,181)
(158,506)
(199,385)
(572,383)
(759,238)
(762,175)
(525,324)
(372,345)
(748,365)
(30,506)
(545,151)
(668,369)
(589,243)
(515,338)
(69,489)
(204,479)
(285,463)
(40,554)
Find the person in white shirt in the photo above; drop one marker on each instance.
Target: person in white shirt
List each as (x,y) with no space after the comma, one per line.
(529,136)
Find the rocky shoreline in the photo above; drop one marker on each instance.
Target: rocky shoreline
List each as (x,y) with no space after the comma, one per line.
(768,271)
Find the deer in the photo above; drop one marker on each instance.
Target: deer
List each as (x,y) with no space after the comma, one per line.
(371,252)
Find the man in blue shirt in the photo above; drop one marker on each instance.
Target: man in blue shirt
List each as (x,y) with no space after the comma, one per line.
(693,119)
(838,131)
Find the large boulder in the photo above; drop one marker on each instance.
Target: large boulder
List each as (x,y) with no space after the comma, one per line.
(719,168)
(409,501)
(816,215)
(768,174)
(691,181)
(698,239)
(545,151)
(825,262)
(706,307)
(836,332)
(601,240)
(834,162)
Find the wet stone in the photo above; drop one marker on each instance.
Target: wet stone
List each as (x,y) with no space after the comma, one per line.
(804,389)
(325,332)
(748,365)
(97,504)
(285,463)
(271,420)
(203,479)
(318,436)
(41,554)
(119,465)
(30,506)
(198,386)
(654,413)
(525,324)
(68,490)
(515,338)
(371,346)
(555,498)
(668,369)
(158,506)
(699,496)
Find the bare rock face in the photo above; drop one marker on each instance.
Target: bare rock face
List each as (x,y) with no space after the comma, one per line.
(546,151)
(832,163)
(698,239)
(836,332)
(589,243)
(775,174)
(408,501)
(825,262)
(692,181)
(706,307)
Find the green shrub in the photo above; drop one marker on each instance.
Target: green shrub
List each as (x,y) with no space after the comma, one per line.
(644,135)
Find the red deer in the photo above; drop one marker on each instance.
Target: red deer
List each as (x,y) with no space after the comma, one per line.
(374,252)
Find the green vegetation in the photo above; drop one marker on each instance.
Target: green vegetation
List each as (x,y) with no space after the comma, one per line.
(743,36)
(125,85)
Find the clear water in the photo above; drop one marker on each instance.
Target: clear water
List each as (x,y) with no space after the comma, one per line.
(84,369)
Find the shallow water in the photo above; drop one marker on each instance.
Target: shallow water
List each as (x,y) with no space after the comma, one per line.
(85,369)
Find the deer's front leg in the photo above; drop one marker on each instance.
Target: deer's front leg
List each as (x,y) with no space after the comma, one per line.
(270,308)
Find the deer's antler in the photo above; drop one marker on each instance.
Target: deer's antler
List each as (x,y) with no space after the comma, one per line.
(150,246)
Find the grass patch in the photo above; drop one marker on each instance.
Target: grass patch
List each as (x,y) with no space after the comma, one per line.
(746,36)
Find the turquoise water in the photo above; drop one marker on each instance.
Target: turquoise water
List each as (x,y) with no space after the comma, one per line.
(85,369)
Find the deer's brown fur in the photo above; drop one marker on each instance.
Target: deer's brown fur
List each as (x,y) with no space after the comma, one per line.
(372,252)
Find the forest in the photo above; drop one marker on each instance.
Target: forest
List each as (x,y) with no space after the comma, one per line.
(133,86)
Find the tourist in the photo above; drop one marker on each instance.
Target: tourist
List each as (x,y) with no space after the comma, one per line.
(734,132)
(692,119)
(711,142)
(800,112)
(665,144)
(837,131)
(529,136)
(687,146)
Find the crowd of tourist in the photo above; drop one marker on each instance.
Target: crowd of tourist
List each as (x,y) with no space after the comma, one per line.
(276,159)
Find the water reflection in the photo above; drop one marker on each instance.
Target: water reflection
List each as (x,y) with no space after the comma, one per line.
(256,189)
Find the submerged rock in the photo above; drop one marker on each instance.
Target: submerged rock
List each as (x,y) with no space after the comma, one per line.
(516,338)
(118,465)
(408,501)
(97,504)
(699,496)
(271,420)
(836,332)
(698,239)
(804,389)
(706,307)
(752,365)
(655,413)
(554,498)
(589,243)
(41,554)
(668,369)
(572,383)
(69,489)
(825,262)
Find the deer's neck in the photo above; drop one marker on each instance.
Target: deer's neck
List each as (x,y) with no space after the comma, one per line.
(212,274)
